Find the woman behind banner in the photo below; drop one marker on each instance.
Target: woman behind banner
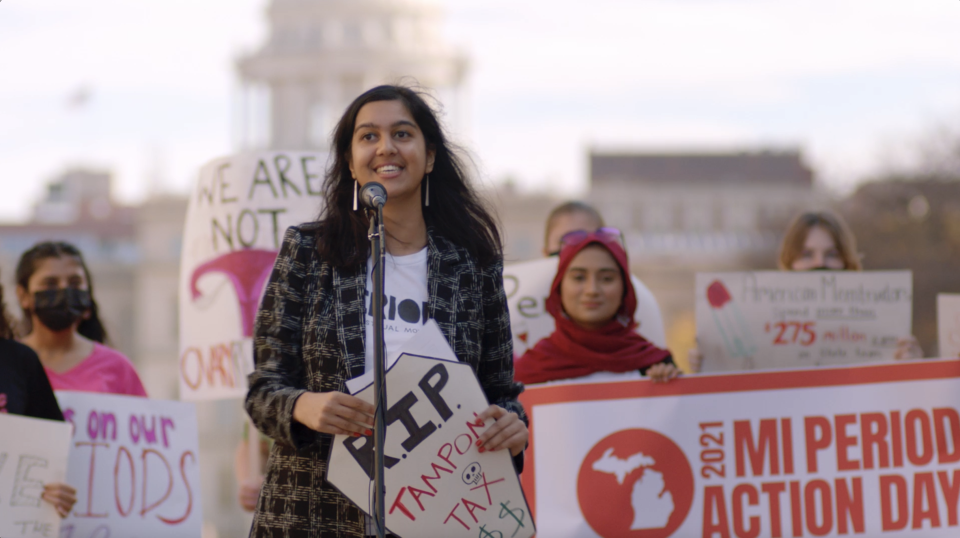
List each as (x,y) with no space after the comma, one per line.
(313,328)
(821,241)
(593,302)
(63,324)
(25,390)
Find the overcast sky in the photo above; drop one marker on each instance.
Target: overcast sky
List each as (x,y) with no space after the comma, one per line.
(850,82)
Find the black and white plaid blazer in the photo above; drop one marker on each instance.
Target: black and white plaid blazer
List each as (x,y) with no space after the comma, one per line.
(309,336)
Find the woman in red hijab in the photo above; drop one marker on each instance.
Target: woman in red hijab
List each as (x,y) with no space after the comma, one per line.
(593,303)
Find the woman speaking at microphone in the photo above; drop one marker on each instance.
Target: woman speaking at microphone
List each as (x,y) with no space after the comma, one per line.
(314,329)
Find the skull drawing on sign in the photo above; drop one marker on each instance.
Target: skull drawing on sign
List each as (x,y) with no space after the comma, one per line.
(471,475)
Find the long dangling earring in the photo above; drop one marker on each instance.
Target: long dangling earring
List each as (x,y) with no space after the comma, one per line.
(356,187)
(426,199)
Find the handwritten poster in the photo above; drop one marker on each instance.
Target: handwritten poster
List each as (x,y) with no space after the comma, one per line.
(948,324)
(779,319)
(833,451)
(236,218)
(134,463)
(438,484)
(33,452)
(527,286)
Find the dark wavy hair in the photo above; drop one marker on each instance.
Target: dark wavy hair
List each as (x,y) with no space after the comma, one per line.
(455,211)
(6,328)
(91,327)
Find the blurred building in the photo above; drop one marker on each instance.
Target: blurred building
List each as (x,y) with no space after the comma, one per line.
(321,54)
(688,212)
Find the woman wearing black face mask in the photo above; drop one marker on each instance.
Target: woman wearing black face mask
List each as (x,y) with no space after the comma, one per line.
(56,295)
(25,390)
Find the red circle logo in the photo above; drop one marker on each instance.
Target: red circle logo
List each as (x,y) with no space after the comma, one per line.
(635,483)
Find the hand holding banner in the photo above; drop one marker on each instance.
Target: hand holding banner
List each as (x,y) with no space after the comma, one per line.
(778,319)
(33,452)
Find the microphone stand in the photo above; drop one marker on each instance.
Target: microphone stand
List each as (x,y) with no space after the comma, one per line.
(378,253)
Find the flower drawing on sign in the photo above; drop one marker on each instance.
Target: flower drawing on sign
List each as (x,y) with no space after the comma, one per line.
(248,270)
(730,322)
(635,483)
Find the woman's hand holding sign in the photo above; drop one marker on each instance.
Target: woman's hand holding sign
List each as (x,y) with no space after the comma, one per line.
(334,412)
(507,431)
(61,496)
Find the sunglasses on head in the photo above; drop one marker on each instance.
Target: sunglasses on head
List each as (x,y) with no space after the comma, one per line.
(576,237)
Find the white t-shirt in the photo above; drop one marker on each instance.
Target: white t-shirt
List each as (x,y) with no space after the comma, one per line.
(405,287)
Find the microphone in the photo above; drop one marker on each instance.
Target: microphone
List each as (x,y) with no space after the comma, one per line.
(373,195)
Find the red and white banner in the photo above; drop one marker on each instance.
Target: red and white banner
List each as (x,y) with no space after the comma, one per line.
(861,450)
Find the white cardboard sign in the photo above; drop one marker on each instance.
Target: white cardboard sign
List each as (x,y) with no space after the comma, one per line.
(833,451)
(780,319)
(33,452)
(527,286)
(948,324)
(438,485)
(236,218)
(134,463)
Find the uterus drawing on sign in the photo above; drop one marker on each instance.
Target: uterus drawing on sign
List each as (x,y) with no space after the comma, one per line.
(248,271)
(732,326)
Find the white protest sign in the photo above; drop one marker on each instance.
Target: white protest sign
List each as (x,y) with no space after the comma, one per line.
(780,319)
(237,215)
(424,342)
(134,464)
(33,452)
(527,286)
(948,324)
(861,450)
(438,484)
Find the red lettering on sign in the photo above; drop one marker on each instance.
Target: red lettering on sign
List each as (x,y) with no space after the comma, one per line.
(871,437)
(849,505)
(116,485)
(93,461)
(925,493)
(715,513)
(471,507)
(773,491)
(844,442)
(436,475)
(144,508)
(951,493)
(816,442)
(416,493)
(446,458)
(796,512)
(893,518)
(946,425)
(919,451)
(766,448)
(183,473)
(454,516)
(398,504)
(753,499)
(486,486)
(825,507)
(896,438)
